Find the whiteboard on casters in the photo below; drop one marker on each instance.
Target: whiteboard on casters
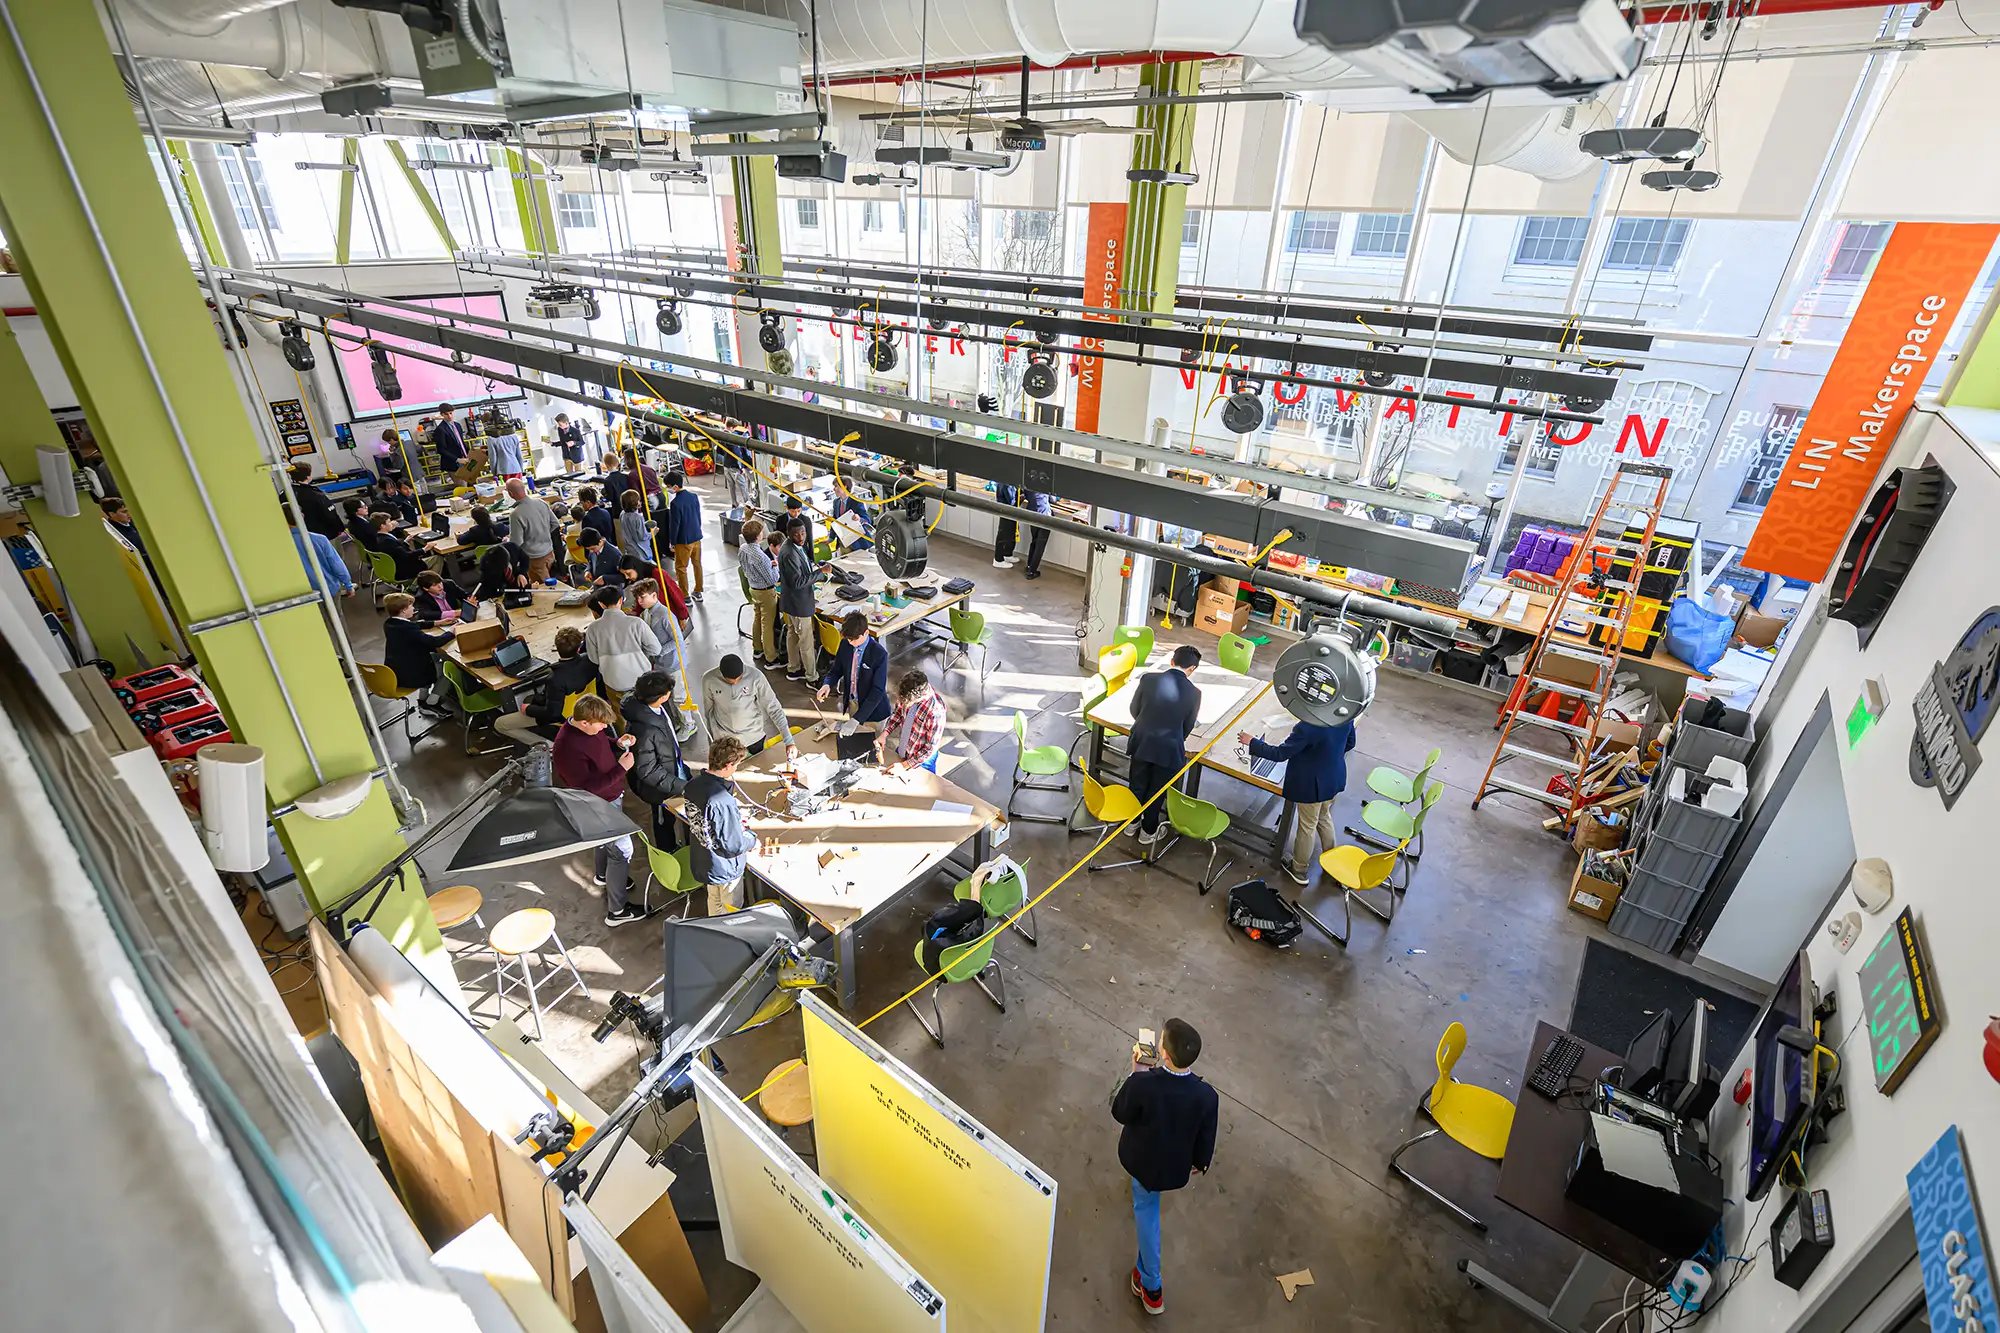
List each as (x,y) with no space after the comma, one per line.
(783,1223)
(975,1215)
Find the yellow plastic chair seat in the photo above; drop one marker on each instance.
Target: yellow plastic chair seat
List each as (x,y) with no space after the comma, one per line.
(1109,804)
(1356,867)
(1477,1119)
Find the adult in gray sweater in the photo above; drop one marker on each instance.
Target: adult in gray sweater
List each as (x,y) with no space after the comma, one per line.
(722,843)
(532,525)
(795,604)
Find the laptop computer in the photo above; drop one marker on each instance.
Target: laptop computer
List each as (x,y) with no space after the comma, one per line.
(440,523)
(514,657)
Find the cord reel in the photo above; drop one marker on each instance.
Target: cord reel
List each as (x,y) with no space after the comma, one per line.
(667,319)
(882,356)
(902,547)
(387,383)
(298,352)
(771,333)
(1039,379)
(1243,411)
(1372,377)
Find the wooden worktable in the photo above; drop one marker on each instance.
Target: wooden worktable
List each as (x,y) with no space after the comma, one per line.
(885,838)
(536,624)
(885,620)
(1225,697)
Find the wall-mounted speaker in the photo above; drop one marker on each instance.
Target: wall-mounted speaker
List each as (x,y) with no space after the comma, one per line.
(233,813)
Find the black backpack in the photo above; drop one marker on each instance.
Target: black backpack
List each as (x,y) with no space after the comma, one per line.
(1262,913)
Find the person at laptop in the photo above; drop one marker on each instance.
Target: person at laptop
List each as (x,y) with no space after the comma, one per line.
(504,568)
(571,673)
(622,646)
(915,730)
(442,602)
(394,496)
(410,650)
(742,704)
(357,524)
(383,540)
(484,529)
(722,843)
(1315,760)
(860,671)
(600,559)
(590,514)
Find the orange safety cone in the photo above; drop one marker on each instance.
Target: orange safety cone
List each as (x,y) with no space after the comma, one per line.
(1550,707)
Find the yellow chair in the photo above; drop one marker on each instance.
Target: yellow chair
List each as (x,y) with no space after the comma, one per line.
(1116,662)
(829,637)
(569,700)
(1475,1118)
(1110,804)
(381,683)
(1357,871)
(1139,636)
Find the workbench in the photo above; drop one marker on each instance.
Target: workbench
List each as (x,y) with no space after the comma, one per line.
(854,861)
(885,620)
(536,624)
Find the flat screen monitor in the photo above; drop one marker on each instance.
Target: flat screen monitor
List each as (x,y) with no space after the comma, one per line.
(1780,1077)
(425,384)
(1646,1057)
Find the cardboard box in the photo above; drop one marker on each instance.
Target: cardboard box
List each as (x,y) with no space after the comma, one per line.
(1760,631)
(1218,617)
(1568,670)
(1591,896)
(1222,584)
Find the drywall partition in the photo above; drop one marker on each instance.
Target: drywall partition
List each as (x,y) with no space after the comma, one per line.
(783,1223)
(943,1189)
(1941,859)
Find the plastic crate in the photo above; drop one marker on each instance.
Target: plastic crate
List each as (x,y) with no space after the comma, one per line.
(1667,880)
(1635,923)
(1694,745)
(1692,827)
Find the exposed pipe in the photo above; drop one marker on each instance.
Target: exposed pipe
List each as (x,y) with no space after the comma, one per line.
(983,68)
(1690,13)
(202,18)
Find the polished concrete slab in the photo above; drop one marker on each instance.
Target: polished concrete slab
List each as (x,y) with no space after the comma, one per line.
(1320,1054)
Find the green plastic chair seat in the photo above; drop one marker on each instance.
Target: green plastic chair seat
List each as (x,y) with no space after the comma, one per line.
(384,566)
(672,871)
(1389,818)
(970,628)
(961,962)
(473,699)
(1193,818)
(1139,636)
(1233,652)
(1398,785)
(1041,760)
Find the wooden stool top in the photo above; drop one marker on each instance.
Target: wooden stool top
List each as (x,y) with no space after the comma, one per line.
(456,905)
(521,931)
(787,1098)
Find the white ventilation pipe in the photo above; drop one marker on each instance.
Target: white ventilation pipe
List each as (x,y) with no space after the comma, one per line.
(200,18)
(1537,141)
(298,37)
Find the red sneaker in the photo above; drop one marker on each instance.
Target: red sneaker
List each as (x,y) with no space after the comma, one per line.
(1154,1302)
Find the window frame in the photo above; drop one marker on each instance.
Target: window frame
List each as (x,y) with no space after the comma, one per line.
(1192,221)
(1538,444)
(1324,220)
(1402,226)
(1834,271)
(564,210)
(249,190)
(803,205)
(1739,505)
(1673,232)
(1565,225)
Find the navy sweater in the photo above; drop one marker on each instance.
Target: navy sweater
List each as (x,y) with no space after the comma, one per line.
(1169,1124)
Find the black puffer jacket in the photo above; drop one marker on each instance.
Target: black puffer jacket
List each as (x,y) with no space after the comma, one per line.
(657,772)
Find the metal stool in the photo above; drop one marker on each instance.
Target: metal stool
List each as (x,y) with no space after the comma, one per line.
(452,907)
(517,936)
(786,1100)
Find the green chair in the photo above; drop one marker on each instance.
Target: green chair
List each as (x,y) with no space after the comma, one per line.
(743,582)
(474,701)
(999,899)
(671,872)
(1233,653)
(969,630)
(1139,636)
(1399,824)
(1399,786)
(479,552)
(961,962)
(1197,819)
(1036,761)
(384,566)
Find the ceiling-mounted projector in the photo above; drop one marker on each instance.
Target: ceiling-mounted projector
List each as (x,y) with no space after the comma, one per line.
(561,300)
(1659,143)
(825,166)
(1683,179)
(967,158)
(1456,50)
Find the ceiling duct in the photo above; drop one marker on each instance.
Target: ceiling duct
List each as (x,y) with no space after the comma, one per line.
(1536,141)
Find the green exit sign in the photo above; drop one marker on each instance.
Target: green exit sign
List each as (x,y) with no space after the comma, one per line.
(1859,720)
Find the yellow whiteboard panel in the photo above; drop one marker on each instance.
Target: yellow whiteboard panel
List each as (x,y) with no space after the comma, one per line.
(974,1215)
(784,1224)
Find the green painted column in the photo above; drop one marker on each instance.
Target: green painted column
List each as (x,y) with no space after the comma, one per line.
(1976,381)
(424,197)
(531,200)
(343,232)
(758,247)
(106,269)
(204,221)
(1155,212)
(87,558)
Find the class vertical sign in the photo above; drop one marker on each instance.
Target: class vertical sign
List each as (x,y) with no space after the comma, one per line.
(1103,278)
(1893,341)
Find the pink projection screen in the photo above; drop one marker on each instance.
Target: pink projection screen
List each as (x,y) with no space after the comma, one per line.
(425,386)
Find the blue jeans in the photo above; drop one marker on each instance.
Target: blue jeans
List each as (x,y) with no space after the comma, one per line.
(1146,1213)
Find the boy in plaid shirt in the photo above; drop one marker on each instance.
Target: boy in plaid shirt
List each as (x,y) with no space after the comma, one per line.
(915,729)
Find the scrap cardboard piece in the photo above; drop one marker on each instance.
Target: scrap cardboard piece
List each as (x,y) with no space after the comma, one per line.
(1289,1283)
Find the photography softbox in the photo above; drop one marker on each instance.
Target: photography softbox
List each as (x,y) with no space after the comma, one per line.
(538,823)
(706,956)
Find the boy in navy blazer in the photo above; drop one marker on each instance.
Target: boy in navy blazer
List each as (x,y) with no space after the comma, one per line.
(1164,706)
(1315,760)
(860,671)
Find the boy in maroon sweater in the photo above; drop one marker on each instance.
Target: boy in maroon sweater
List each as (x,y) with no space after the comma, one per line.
(588,758)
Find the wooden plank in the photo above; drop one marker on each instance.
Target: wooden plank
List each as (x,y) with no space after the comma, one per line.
(658,1247)
(531,1210)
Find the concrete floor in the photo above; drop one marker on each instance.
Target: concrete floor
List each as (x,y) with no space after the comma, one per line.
(1319,1054)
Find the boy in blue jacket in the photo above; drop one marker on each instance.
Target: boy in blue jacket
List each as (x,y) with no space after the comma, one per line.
(684,532)
(860,671)
(1315,760)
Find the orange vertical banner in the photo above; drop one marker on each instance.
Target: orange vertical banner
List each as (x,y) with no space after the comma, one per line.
(1895,338)
(1103,276)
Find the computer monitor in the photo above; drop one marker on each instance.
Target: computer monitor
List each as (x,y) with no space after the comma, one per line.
(1781,1079)
(1690,1085)
(1646,1057)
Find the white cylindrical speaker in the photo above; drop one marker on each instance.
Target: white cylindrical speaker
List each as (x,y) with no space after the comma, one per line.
(232,806)
(58,482)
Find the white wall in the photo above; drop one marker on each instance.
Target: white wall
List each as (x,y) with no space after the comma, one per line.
(1942,865)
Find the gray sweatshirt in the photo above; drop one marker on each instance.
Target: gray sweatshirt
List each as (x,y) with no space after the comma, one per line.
(533,525)
(622,646)
(747,709)
(659,618)
(634,537)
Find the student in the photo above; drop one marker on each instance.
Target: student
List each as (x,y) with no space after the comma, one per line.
(324,567)
(861,670)
(1163,716)
(398,497)
(722,844)
(587,758)
(684,532)
(92,457)
(1038,538)
(483,530)
(571,673)
(502,569)
(796,604)
(1169,1117)
(383,540)
(1315,760)
(734,475)
(616,479)
(315,509)
(358,527)
(915,730)
(760,575)
(634,534)
(744,706)
(533,525)
(442,602)
(632,568)
(119,518)
(408,648)
(448,440)
(658,772)
(621,645)
(795,512)
(1005,532)
(505,450)
(645,602)
(389,456)
(600,559)
(569,439)
(588,513)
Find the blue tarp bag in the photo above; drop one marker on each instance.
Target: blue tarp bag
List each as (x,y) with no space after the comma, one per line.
(1697,635)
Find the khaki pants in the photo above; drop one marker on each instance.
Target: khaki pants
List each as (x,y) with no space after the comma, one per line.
(539,566)
(724,898)
(764,627)
(1315,831)
(518,728)
(688,554)
(801,645)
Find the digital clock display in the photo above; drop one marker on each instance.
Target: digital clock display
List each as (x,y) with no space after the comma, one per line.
(1899,1000)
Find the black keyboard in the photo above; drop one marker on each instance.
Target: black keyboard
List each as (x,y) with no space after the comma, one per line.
(1559,1060)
